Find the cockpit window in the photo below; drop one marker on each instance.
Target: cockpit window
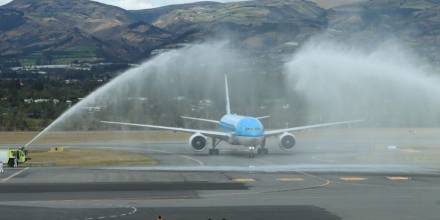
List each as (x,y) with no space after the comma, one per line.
(252,129)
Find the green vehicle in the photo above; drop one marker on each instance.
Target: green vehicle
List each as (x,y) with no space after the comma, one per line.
(7,156)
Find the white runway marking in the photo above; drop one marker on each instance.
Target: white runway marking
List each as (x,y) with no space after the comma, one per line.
(193,159)
(14,175)
(184,156)
(131,212)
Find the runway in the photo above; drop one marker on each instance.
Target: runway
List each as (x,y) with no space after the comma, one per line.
(323,178)
(80,193)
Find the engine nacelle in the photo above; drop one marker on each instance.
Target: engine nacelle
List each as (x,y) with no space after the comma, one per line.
(287,141)
(198,142)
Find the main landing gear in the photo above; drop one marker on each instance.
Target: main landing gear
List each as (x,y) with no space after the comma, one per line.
(263,149)
(213,150)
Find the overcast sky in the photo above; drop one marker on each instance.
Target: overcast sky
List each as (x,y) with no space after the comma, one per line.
(139,4)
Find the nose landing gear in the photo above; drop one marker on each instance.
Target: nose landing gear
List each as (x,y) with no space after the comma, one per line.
(252,151)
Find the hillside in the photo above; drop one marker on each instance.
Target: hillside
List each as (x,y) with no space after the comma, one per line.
(258,24)
(272,25)
(64,31)
(415,23)
(53,30)
(335,3)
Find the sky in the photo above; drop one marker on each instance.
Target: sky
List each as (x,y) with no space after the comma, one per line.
(140,4)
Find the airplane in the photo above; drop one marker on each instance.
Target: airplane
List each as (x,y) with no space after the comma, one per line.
(236,130)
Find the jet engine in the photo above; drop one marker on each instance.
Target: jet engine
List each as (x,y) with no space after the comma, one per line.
(287,141)
(197,142)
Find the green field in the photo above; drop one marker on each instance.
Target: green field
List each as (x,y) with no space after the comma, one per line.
(69,56)
(87,157)
(60,138)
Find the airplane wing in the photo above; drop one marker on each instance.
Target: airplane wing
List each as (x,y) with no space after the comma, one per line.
(280,131)
(217,134)
(200,119)
(263,117)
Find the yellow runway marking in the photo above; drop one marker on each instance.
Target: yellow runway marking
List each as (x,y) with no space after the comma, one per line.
(410,151)
(243,180)
(290,179)
(352,178)
(397,178)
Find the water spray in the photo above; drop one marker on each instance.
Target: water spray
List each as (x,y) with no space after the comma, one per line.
(129,96)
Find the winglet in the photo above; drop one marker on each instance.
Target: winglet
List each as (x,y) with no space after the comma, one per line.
(228,106)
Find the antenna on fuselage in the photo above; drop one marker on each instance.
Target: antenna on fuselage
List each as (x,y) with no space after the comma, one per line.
(228,105)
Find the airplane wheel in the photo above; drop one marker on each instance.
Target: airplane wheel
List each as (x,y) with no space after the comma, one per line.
(252,152)
(214,152)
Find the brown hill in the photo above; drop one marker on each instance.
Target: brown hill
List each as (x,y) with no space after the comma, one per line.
(79,29)
(258,24)
(51,31)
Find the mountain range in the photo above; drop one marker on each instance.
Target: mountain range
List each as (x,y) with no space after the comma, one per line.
(66,31)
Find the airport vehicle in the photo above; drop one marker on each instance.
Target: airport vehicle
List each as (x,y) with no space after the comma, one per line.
(7,156)
(236,130)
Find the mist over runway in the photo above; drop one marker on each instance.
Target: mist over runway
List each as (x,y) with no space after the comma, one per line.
(409,150)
